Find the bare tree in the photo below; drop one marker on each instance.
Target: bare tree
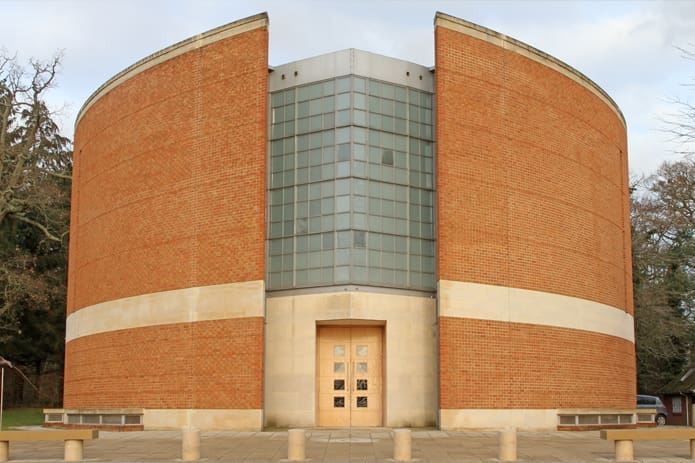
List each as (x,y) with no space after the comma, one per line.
(681,124)
(663,227)
(35,169)
(33,153)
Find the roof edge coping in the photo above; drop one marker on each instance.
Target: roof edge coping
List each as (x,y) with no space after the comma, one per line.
(509,43)
(192,43)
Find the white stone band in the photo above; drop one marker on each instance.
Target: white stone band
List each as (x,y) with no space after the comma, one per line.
(218,302)
(203,419)
(495,419)
(499,303)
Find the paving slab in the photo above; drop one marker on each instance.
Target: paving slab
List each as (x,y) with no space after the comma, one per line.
(373,445)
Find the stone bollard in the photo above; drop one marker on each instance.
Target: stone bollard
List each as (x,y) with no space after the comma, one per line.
(692,449)
(4,450)
(190,444)
(74,450)
(508,444)
(402,445)
(623,450)
(296,444)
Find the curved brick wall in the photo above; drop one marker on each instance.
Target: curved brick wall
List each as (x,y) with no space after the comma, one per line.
(543,161)
(169,193)
(207,365)
(495,364)
(169,188)
(531,194)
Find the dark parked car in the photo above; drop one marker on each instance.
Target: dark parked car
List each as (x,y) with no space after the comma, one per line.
(650,401)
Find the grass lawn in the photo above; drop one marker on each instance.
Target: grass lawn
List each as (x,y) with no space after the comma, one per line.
(22,417)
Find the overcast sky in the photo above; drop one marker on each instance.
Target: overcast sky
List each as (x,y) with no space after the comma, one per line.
(628,48)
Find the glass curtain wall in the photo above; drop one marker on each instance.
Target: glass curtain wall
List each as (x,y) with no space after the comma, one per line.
(351,188)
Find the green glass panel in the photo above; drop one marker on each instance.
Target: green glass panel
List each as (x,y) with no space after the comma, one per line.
(328,240)
(327,258)
(401,94)
(374,88)
(277,99)
(343,85)
(327,223)
(315,107)
(303,109)
(387,107)
(374,104)
(342,204)
(316,91)
(359,135)
(343,101)
(275,247)
(373,259)
(275,263)
(328,154)
(328,121)
(342,221)
(343,118)
(360,84)
(342,274)
(327,171)
(302,277)
(328,104)
(301,226)
(327,189)
(301,260)
(303,93)
(359,274)
(360,101)
(358,151)
(359,221)
(315,140)
(359,187)
(315,243)
(401,126)
(359,169)
(374,121)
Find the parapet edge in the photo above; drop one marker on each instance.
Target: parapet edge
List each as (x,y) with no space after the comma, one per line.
(197,41)
(509,43)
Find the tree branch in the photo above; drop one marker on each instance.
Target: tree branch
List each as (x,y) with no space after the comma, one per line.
(60,175)
(36,224)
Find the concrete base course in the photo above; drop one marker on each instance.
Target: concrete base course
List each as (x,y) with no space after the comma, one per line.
(356,445)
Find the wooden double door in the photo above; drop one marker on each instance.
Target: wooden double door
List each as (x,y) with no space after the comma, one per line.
(350,376)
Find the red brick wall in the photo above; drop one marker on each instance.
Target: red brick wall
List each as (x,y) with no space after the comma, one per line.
(532,176)
(169,188)
(531,193)
(214,364)
(492,364)
(169,193)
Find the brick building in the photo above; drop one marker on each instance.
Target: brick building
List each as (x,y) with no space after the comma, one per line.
(348,240)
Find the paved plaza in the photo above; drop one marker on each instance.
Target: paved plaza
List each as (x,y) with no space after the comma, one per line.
(350,445)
